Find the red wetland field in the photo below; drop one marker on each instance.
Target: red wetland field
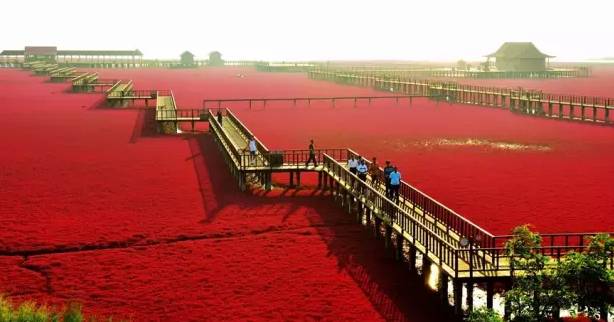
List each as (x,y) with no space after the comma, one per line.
(94,207)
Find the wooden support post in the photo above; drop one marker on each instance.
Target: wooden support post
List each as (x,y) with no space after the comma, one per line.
(268,179)
(442,288)
(368,216)
(359,211)
(426,269)
(291,178)
(319,179)
(378,224)
(412,257)
(490,293)
(469,287)
(388,236)
(298,178)
(398,255)
(458,296)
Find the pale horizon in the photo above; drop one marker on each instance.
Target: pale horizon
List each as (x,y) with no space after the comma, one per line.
(315,30)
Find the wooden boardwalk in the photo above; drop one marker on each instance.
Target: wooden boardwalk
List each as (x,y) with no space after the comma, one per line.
(596,110)
(465,253)
(416,223)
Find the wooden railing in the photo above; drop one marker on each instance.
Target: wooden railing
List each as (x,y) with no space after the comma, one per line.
(400,219)
(411,197)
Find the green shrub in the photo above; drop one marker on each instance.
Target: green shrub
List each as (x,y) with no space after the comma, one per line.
(484,315)
(32,312)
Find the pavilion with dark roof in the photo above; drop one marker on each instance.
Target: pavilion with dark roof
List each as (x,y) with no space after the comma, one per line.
(519,56)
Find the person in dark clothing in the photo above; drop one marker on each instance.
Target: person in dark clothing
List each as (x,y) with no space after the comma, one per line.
(374,172)
(387,171)
(312,155)
(219,116)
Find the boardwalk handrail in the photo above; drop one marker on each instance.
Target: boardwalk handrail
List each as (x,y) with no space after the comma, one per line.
(429,205)
(398,218)
(225,141)
(262,149)
(296,99)
(602,102)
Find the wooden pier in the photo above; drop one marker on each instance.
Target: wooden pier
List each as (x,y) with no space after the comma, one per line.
(333,99)
(466,255)
(596,110)
(449,72)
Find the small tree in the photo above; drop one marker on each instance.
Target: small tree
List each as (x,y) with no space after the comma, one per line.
(588,276)
(537,293)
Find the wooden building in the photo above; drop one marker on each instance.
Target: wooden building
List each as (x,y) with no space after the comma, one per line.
(48,54)
(52,54)
(187,58)
(519,57)
(215,59)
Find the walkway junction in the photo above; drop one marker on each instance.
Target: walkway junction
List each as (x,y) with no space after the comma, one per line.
(466,256)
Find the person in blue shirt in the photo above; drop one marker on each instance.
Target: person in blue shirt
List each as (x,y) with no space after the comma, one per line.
(395,184)
(362,170)
(387,170)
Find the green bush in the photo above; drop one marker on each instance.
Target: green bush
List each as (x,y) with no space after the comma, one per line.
(32,312)
(484,315)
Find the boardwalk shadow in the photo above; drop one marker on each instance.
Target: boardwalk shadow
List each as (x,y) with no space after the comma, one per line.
(397,293)
(219,189)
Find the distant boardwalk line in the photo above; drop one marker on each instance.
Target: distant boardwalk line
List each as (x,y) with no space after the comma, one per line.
(590,109)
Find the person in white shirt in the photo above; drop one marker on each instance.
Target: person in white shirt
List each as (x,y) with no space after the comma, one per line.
(352,164)
(253,148)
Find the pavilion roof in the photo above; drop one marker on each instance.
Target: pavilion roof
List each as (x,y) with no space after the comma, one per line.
(518,50)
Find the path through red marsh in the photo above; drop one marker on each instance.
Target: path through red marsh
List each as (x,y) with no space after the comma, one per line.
(95,208)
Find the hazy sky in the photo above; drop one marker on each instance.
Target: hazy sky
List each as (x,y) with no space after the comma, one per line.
(314,29)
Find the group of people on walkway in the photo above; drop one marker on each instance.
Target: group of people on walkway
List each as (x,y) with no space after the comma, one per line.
(390,176)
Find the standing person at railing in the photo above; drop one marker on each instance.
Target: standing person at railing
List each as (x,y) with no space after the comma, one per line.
(219,116)
(352,164)
(253,148)
(395,184)
(387,171)
(374,172)
(312,155)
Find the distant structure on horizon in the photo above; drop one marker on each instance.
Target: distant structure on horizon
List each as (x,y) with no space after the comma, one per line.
(519,57)
(215,59)
(53,55)
(187,59)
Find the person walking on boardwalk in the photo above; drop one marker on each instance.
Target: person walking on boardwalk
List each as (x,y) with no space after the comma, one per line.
(312,155)
(253,148)
(374,173)
(219,116)
(352,164)
(362,170)
(395,184)
(387,170)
